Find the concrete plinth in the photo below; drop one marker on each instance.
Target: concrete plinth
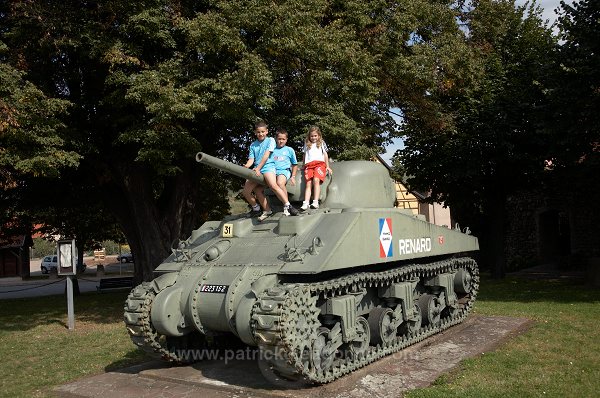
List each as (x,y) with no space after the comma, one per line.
(415,366)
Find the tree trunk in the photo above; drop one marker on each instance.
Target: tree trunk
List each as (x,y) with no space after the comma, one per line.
(153,222)
(496,231)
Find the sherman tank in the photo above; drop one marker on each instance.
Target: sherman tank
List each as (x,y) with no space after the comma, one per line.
(321,294)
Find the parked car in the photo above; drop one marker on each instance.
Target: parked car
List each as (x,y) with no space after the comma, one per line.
(125,258)
(49,263)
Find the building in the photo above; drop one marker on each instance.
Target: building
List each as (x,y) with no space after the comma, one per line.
(413,200)
(14,256)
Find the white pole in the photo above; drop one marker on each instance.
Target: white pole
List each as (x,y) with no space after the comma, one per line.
(70,306)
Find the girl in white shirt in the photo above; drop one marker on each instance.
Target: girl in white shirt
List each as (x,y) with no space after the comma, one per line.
(316,166)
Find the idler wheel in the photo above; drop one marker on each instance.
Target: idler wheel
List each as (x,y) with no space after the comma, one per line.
(431,309)
(382,326)
(274,366)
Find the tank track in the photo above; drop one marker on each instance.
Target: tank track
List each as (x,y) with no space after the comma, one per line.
(142,333)
(290,336)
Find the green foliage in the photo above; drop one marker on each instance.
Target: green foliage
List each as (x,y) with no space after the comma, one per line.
(479,137)
(42,247)
(477,144)
(149,84)
(30,140)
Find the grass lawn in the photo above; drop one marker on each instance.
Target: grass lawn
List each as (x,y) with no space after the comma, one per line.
(557,357)
(38,351)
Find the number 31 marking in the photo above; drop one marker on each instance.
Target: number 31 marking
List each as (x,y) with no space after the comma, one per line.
(228,230)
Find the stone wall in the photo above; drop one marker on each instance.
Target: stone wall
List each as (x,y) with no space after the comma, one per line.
(561,227)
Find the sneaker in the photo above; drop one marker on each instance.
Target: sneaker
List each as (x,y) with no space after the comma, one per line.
(314,205)
(290,211)
(265,215)
(304,206)
(254,213)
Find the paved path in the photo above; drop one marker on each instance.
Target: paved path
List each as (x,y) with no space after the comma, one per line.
(416,366)
(41,285)
(48,287)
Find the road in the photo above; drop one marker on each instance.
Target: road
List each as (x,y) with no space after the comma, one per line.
(38,286)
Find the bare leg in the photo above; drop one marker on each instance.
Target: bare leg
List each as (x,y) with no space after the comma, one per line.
(317,194)
(259,191)
(281,181)
(249,186)
(307,191)
(272,183)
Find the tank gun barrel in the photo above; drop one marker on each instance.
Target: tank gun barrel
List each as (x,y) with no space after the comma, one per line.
(229,167)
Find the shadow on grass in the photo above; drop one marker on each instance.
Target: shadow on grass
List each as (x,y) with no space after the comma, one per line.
(135,361)
(518,289)
(24,314)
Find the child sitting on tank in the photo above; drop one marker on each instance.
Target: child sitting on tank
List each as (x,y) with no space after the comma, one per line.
(260,162)
(263,149)
(286,166)
(316,166)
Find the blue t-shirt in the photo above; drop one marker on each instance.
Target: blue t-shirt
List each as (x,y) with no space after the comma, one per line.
(284,158)
(258,149)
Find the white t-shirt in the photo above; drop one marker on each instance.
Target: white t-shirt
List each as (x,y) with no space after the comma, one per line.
(315,154)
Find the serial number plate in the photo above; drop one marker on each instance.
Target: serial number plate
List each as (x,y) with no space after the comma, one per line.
(214,288)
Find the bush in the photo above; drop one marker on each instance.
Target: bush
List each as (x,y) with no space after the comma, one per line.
(42,247)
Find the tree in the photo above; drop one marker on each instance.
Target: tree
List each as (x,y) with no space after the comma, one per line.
(488,140)
(23,107)
(576,95)
(150,83)
(38,153)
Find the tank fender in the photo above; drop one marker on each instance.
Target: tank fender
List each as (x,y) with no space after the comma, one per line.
(243,315)
(166,314)
(164,281)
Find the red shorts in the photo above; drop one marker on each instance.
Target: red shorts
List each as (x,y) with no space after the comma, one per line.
(315,169)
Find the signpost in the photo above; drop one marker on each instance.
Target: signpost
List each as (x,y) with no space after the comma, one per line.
(67,263)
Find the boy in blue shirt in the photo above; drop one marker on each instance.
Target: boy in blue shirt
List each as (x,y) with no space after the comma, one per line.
(259,160)
(286,166)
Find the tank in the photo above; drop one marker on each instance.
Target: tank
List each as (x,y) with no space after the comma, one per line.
(320,294)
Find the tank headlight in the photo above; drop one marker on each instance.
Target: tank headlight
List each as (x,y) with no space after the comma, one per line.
(216,250)
(211,254)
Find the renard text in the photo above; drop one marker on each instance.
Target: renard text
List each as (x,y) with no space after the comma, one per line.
(416,245)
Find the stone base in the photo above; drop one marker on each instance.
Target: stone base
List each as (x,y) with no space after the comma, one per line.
(416,366)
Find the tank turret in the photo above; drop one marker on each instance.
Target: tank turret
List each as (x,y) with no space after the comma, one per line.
(321,294)
(356,183)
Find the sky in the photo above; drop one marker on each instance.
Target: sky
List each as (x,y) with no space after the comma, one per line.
(548,5)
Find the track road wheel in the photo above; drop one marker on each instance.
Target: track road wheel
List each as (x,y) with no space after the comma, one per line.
(431,308)
(382,326)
